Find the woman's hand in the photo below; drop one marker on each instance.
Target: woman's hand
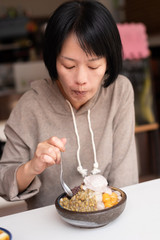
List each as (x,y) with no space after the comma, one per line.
(47,154)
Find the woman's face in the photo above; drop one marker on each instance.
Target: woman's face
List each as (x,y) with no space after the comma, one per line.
(79,74)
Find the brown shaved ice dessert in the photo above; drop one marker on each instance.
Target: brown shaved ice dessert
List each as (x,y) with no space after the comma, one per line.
(92,195)
(83,201)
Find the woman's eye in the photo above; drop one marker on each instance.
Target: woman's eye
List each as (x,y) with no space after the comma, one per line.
(93,68)
(69,67)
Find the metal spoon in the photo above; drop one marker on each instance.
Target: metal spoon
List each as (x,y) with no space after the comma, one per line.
(67,190)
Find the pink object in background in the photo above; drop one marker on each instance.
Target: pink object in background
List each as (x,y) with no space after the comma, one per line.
(134,40)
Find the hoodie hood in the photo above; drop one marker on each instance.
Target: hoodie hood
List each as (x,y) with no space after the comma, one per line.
(47,88)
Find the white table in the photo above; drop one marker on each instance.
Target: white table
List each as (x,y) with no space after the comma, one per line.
(139,221)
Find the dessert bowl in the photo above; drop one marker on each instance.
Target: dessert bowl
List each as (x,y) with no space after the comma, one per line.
(5,234)
(95,218)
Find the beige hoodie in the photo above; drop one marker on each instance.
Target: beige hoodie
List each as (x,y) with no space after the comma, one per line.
(43,112)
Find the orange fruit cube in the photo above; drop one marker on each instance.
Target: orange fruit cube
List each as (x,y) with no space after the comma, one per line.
(105,197)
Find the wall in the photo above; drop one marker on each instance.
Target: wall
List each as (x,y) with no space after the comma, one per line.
(39,8)
(35,8)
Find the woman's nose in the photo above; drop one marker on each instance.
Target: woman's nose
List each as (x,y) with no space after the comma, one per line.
(81,77)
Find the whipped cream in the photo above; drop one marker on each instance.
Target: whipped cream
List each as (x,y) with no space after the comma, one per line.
(96,183)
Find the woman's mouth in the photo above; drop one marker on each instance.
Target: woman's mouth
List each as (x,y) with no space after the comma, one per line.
(80,93)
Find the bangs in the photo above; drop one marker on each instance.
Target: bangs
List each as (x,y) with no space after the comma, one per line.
(89,32)
(90,45)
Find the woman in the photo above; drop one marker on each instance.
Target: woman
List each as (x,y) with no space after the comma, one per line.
(84,113)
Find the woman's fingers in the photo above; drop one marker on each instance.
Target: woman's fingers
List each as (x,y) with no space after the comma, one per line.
(50,150)
(47,159)
(57,142)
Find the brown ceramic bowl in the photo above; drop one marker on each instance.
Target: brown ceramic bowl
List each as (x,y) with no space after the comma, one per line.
(92,219)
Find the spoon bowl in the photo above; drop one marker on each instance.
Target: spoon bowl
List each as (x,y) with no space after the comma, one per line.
(65,187)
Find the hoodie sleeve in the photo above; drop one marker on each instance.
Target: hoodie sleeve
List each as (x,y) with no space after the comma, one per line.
(124,169)
(16,152)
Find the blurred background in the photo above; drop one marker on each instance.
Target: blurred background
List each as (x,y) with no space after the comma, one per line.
(22,24)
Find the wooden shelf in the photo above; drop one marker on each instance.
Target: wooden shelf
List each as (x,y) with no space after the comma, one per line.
(146,127)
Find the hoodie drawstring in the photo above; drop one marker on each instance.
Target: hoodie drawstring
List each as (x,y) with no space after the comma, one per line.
(80,169)
(95,165)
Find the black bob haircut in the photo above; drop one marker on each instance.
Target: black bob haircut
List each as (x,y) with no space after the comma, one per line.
(95,29)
